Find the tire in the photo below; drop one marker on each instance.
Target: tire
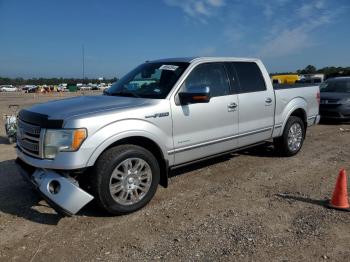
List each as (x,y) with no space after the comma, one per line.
(120,177)
(286,145)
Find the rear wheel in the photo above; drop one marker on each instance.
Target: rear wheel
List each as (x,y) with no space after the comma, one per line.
(125,179)
(292,139)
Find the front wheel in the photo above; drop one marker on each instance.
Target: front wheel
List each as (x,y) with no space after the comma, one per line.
(292,139)
(125,179)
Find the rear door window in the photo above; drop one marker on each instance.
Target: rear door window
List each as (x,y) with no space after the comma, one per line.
(249,76)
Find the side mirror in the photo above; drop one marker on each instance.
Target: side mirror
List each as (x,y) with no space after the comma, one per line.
(198,94)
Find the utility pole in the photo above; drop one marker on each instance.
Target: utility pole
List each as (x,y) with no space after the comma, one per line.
(83,50)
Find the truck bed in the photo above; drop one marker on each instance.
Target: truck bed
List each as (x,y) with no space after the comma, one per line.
(288,96)
(288,86)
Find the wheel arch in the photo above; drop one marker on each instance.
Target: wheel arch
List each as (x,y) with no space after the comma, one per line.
(301,113)
(296,107)
(145,142)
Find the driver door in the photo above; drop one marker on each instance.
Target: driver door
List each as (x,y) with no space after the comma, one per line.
(204,129)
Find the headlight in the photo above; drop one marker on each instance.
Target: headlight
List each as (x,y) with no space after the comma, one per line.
(63,140)
(347,100)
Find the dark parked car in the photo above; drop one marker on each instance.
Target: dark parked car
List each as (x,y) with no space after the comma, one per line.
(32,89)
(335,99)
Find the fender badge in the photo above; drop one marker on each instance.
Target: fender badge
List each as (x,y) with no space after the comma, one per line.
(158,115)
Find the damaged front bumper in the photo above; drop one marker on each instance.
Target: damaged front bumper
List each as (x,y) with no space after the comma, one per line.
(62,193)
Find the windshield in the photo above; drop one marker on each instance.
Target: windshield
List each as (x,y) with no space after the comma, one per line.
(336,85)
(149,80)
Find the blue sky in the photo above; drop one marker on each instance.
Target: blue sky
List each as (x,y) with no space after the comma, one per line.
(41,38)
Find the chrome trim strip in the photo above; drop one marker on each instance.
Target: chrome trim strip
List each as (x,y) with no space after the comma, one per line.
(216,155)
(29,145)
(182,149)
(27,152)
(278,126)
(29,128)
(41,142)
(33,138)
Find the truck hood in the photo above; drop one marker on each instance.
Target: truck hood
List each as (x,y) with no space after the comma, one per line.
(82,105)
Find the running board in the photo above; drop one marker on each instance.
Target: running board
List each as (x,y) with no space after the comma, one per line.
(217,155)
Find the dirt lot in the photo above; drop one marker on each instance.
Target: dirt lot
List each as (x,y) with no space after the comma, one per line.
(250,206)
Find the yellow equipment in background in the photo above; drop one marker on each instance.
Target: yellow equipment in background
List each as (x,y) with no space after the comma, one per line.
(285,79)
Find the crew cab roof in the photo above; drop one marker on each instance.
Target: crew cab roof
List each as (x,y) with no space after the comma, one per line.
(200,59)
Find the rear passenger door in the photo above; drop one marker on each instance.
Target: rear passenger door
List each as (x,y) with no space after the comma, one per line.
(256,103)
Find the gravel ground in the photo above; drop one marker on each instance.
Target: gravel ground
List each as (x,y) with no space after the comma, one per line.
(248,206)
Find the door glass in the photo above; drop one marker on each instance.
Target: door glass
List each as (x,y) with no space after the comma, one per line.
(233,77)
(250,77)
(210,74)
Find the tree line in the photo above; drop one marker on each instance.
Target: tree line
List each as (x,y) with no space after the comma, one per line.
(329,71)
(51,81)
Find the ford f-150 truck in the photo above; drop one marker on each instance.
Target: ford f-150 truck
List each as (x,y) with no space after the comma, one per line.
(117,147)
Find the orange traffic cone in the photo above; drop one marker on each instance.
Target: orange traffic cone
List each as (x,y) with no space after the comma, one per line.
(340,194)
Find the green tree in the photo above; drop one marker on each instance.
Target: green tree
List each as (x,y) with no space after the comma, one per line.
(310,69)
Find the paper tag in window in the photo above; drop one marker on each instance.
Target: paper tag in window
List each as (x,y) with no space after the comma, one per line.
(169,67)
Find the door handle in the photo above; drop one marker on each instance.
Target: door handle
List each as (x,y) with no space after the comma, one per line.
(232,106)
(268,100)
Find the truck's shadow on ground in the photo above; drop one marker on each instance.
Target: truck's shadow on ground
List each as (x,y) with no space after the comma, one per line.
(17,197)
(205,163)
(265,150)
(4,140)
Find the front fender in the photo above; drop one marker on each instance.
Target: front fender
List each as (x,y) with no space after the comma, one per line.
(116,131)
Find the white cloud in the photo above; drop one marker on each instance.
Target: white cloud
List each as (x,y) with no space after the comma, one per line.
(281,27)
(197,9)
(271,8)
(309,9)
(216,3)
(286,42)
(234,35)
(297,33)
(201,9)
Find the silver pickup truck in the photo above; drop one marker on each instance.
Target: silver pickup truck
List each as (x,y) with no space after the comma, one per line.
(117,147)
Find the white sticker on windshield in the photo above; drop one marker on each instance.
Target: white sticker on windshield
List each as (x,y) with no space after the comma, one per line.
(169,67)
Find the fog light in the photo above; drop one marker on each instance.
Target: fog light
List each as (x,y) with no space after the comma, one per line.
(54,187)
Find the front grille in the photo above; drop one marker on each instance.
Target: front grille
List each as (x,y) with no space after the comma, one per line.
(29,128)
(28,138)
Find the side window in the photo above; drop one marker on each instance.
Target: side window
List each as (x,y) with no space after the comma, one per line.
(210,74)
(233,77)
(250,77)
